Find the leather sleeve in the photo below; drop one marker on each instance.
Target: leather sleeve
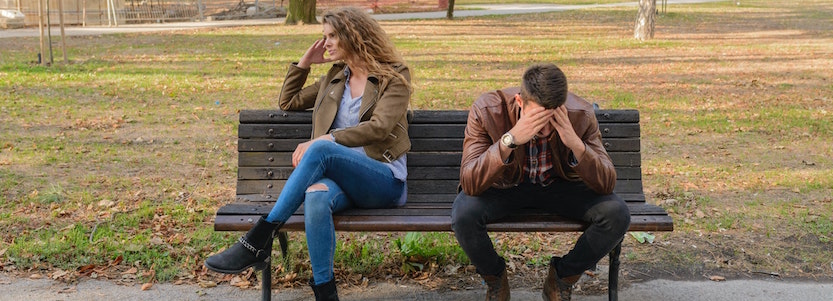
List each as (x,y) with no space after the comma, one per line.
(481,164)
(595,168)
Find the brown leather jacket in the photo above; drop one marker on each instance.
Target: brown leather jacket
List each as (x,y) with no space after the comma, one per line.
(383,123)
(495,113)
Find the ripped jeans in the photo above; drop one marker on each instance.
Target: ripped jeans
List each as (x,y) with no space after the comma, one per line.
(348,179)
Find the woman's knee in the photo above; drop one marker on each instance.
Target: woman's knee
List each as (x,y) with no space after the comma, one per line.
(318,200)
(319,147)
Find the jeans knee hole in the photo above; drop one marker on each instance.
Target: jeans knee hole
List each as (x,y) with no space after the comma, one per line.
(318,187)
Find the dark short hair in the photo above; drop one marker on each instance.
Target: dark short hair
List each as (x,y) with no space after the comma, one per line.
(544,84)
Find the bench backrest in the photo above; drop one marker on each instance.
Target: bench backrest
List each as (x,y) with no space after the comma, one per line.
(268,138)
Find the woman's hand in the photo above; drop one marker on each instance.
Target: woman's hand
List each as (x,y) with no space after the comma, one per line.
(298,154)
(314,55)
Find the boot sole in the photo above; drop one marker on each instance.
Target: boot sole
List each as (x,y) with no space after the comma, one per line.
(257,266)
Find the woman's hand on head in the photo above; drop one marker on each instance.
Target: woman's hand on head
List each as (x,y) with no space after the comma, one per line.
(314,55)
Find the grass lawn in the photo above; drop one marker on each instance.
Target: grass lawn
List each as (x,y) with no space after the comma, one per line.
(112,166)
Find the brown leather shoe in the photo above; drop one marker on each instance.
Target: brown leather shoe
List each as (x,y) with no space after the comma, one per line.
(498,287)
(558,289)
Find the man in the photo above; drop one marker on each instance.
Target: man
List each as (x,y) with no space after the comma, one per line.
(539,147)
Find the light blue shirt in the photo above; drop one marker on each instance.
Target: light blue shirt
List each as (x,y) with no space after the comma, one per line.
(348,116)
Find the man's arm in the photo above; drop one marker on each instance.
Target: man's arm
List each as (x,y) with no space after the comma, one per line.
(482,160)
(594,166)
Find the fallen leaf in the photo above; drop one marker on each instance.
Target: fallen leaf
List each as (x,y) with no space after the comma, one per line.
(117,260)
(86,270)
(207,284)
(147,286)
(239,282)
(59,273)
(717,278)
(35,276)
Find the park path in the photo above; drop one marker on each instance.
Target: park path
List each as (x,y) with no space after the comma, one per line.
(660,290)
(461,12)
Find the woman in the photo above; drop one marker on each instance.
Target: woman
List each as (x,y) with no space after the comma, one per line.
(357,157)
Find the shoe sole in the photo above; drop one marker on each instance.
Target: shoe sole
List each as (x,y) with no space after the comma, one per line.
(257,266)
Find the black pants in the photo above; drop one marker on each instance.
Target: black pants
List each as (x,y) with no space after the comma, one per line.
(608,216)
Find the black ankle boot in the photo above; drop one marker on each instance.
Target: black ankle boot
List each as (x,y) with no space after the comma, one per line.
(250,250)
(325,291)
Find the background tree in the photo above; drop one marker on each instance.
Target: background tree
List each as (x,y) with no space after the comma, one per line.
(449,14)
(301,11)
(645,20)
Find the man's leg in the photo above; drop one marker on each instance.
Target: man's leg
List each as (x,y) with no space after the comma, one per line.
(609,220)
(469,216)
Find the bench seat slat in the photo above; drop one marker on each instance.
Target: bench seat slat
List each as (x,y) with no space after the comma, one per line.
(441,223)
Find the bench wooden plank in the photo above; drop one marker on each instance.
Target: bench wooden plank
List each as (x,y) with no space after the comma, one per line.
(628,144)
(441,223)
(301,131)
(277,159)
(422,198)
(415,186)
(424,209)
(419,116)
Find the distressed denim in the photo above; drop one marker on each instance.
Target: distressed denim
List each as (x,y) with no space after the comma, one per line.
(352,180)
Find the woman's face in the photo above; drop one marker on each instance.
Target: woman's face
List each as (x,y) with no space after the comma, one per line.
(331,43)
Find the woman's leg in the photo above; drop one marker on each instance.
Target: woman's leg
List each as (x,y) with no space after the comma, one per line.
(369,183)
(322,200)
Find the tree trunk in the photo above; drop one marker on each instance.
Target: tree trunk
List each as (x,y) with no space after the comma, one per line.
(450,12)
(301,11)
(645,19)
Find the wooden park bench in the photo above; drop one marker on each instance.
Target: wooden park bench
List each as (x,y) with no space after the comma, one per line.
(267,139)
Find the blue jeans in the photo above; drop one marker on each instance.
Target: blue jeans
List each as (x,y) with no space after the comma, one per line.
(352,179)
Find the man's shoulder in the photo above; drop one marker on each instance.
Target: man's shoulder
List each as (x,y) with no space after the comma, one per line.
(494,98)
(577,103)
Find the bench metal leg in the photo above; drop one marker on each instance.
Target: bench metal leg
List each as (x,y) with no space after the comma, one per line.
(284,241)
(266,277)
(613,282)
(266,282)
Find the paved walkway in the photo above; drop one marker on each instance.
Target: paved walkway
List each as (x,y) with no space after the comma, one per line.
(462,11)
(733,290)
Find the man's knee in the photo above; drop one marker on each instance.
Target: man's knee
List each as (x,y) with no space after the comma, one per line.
(464,212)
(615,213)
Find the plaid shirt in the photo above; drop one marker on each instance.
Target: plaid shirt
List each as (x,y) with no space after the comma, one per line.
(539,162)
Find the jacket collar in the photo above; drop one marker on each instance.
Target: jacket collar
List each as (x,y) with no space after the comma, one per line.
(369,95)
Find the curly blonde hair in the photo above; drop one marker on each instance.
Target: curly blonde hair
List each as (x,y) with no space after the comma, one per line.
(364,41)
